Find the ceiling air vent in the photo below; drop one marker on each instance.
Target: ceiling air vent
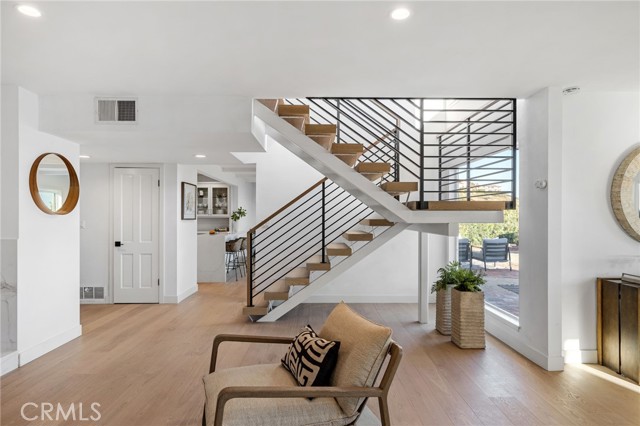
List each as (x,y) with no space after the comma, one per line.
(116,110)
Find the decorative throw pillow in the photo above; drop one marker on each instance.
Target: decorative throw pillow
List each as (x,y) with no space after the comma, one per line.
(311,359)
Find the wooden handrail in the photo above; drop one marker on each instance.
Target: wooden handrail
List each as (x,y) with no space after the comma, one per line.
(289,204)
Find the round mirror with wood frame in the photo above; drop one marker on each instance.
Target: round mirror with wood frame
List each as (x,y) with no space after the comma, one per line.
(53,184)
(625,194)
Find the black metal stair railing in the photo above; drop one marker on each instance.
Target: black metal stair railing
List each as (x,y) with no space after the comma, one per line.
(456,149)
(300,229)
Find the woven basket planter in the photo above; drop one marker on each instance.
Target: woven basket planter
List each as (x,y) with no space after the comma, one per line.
(467,319)
(443,311)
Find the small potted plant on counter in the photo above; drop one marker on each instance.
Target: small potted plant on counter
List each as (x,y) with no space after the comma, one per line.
(467,310)
(236,215)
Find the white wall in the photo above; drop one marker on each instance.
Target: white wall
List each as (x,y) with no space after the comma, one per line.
(186,240)
(280,176)
(95,241)
(179,244)
(48,246)
(599,130)
(538,336)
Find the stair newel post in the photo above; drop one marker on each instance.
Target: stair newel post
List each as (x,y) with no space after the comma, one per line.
(324,206)
(250,269)
(421,195)
(396,159)
(468,159)
(338,121)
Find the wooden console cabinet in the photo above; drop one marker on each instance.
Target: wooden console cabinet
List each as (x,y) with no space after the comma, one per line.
(618,326)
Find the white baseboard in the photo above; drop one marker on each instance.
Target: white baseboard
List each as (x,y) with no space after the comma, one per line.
(581,357)
(506,332)
(48,345)
(9,362)
(179,298)
(369,298)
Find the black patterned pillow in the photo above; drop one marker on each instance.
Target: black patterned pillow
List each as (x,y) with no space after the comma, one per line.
(311,359)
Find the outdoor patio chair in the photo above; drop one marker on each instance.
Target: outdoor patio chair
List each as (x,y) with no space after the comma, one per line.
(267,394)
(464,251)
(493,250)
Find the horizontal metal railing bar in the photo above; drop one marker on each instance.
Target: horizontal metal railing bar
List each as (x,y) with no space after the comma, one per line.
(411,99)
(279,264)
(291,227)
(453,176)
(369,117)
(350,117)
(465,110)
(482,136)
(271,226)
(465,122)
(460,157)
(490,154)
(466,133)
(482,127)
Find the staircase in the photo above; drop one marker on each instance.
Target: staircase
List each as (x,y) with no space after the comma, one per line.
(375,187)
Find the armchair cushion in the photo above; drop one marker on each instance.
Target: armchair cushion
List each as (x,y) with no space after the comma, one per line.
(268,411)
(311,359)
(363,348)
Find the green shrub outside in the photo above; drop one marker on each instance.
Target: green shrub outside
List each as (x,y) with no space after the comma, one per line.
(509,229)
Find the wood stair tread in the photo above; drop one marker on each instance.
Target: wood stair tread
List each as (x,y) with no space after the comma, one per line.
(314,263)
(467,205)
(366,167)
(338,249)
(324,141)
(293,110)
(272,104)
(347,148)
(299,276)
(277,291)
(376,222)
(297,122)
(320,129)
(357,236)
(397,188)
(262,309)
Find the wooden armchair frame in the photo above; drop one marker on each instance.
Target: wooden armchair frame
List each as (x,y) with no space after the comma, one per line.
(381,392)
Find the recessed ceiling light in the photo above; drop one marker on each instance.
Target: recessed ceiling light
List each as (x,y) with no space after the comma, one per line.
(400,14)
(200,156)
(84,156)
(29,10)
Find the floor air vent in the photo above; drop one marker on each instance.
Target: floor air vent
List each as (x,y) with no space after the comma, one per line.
(116,110)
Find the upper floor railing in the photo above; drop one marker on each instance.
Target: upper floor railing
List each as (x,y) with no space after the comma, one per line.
(456,149)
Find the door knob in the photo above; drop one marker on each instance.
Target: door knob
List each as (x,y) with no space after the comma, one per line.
(119,244)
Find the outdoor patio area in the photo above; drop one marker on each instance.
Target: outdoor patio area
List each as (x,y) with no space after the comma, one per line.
(502,289)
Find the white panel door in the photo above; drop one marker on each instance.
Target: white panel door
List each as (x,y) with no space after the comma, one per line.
(136,239)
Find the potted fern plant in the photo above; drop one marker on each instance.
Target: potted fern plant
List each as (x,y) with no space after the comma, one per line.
(467,310)
(446,280)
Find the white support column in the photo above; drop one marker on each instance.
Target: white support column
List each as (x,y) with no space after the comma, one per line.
(434,252)
(423,276)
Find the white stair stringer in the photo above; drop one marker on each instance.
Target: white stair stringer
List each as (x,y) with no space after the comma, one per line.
(267,123)
(335,271)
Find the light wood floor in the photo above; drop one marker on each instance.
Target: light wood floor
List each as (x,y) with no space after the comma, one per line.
(144,365)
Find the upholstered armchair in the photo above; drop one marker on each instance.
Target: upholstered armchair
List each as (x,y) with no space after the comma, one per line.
(267,394)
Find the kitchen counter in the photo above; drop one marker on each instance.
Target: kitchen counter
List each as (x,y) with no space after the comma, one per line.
(211,249)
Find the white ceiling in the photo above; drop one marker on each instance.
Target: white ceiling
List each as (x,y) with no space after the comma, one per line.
(264,49)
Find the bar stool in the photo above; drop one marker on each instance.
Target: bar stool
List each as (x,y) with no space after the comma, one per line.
(232,256)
